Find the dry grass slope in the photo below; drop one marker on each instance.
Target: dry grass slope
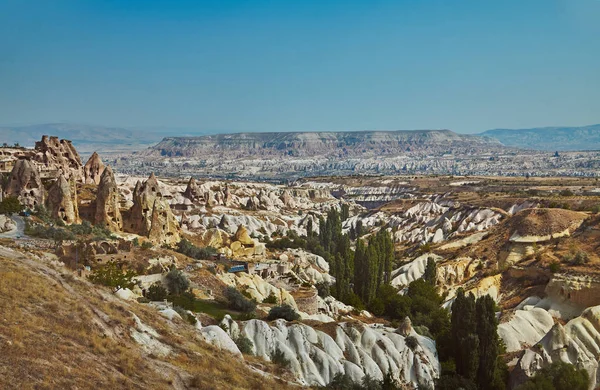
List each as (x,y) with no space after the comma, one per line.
(58,331)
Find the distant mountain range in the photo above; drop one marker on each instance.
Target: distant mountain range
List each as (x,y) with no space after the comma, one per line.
(88,138)
(336,144)
(549,138)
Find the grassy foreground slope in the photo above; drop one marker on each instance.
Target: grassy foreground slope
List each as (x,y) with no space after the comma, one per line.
(60,331)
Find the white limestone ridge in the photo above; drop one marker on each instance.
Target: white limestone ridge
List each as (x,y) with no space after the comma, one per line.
(577,343)
(354,349)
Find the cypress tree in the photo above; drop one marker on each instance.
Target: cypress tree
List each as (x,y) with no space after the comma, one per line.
(430,274)
(487,326)
(466,342)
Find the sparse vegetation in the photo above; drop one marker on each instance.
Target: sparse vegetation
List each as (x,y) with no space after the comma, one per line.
(10,205)
(113,275)
(237,301)
(156,292)
(285,312)
(187,248)
(177,282)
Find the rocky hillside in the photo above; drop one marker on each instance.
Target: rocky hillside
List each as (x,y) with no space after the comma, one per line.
(549,138)
(317,143)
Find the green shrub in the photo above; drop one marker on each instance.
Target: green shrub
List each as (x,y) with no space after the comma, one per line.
(156,292)
(558,376)
(323,289)
(177,281)
(272,299)
(278,357)
(411,342)
(237,301)
(190,318)
(284,311)
(187,248)
(10,205)
(147,245)
(554,267)
(244,344)
(112,275)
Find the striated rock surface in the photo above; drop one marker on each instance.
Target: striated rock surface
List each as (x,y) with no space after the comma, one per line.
(108,211)
(355,349)
(59,156)
(577,343)
(26,184)
(93,169)
(62,201)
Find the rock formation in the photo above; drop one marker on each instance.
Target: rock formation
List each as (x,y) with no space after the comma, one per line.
(144,195)
(108,213)
(151,215)
(59,156)
(26,184)
(192,191)
(93,169)
(356,350)
(164,228)
(62,201)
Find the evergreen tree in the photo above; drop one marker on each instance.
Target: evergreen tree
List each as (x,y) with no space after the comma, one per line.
(488,341)
(466,343)
(430,274)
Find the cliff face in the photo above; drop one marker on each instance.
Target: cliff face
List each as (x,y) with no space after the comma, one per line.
(62,201)
(26,184)
(313,144)
(60,156)
(108,212)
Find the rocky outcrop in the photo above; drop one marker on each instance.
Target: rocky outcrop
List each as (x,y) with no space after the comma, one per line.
(355,349)
(59,156)
(26,184)
(62,201)
(6,224)
(93,169)
(577,343)
(144,195)
(164,228)
(193,191)
(108,212)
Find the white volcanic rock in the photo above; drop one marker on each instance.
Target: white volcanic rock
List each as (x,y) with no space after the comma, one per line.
(257,287)
(218,337)
(577,343)
(6,224)
(354,349)
(412,271)
(148,338)
(525,328)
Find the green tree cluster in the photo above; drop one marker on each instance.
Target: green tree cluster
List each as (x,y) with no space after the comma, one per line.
(10,205)
(472,344)
(558,376)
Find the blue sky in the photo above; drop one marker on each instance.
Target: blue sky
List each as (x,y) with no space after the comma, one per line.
(301,65)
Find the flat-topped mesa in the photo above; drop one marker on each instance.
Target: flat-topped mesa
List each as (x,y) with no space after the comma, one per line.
(108,211)
(59,157)
(323,144)
(62,201)
(93,169)
(164,228)
(25,183)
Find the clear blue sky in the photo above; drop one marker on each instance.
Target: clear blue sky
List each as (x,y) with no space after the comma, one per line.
(301,65)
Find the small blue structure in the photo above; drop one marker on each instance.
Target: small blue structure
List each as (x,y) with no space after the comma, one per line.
(238,268)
